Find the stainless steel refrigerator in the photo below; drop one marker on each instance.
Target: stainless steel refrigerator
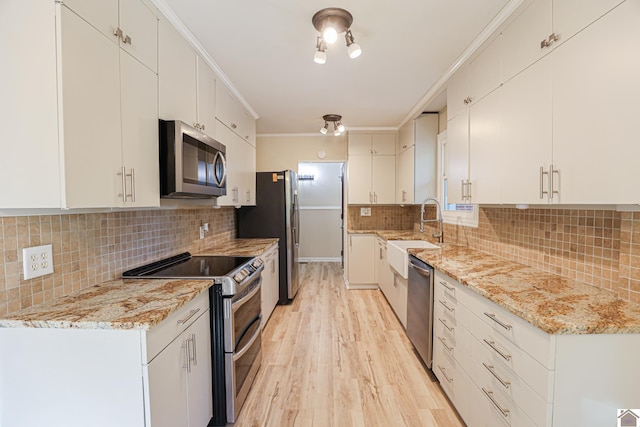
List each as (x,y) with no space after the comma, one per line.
(276,215)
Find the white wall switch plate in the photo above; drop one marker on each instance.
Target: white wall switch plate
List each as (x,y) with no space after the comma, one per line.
(37,261)
(365,211)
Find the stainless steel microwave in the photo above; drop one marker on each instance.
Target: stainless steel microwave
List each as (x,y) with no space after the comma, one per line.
(192,164)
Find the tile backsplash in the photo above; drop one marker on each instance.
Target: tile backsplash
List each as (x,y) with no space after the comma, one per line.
(597,247)
(93,248)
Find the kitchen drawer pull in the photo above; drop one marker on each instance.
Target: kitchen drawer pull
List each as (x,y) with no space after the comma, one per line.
(444,343)
(491,369)
(449,380)
(444,322)
(492,344)
(444,304)
(493,317)
(189,316)
(187,355)
(489,394)
(193,348)
(449,288)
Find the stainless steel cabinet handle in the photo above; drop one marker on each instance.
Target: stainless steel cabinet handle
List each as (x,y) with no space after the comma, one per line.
(444,322)
(489,394)
(193,349)
(552,189)
(492,344)
(444,343)
(404,195)
(187,355)
(490,368)
(248,198)
(189,316)
(495,319)
(133,185)
(449,288)
(118,33)
(450,380)
(370,197)
(469,190)
(380,256)
(462,190)
(375,197)
(444,304)
(542,174)
(123,174)
(127,40)
(234,126)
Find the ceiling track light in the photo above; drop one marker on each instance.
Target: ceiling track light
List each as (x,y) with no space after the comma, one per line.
(330,22)
(336,119)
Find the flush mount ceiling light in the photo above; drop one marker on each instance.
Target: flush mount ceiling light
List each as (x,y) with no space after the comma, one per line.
(338,127)
(330,22)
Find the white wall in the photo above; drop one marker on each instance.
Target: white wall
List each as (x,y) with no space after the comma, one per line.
(282,152)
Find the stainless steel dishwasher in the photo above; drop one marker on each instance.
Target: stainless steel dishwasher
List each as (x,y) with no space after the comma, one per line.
(420,308)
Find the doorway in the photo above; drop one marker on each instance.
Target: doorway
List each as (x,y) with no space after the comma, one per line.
(321,217)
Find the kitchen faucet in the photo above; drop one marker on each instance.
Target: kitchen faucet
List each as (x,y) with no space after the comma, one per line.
(438,235)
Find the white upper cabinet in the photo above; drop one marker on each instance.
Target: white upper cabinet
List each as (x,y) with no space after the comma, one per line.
(241,168)
(571,16)
(372,168)
(458,92)
(521,39)
(595,110)
(456,167)
(206,96)
(230,112)
(484,71)
(526,136)
(176,75)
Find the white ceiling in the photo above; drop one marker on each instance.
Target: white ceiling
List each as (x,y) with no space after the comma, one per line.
(266,47)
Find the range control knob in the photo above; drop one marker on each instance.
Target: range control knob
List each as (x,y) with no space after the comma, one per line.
(238,277)
(256,263)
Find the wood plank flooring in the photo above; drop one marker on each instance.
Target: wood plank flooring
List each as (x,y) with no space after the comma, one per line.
(339,357)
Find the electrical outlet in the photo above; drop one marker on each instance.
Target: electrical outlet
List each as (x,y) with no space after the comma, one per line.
(37,261)
(365,211)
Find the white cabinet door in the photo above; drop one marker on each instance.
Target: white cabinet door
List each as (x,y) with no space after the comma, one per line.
(139,26)
(270,283)
(571,16)
(405,137)
(176,74)
(595,110)
(457,92)
(384,179)
(168,386)
(103,15)
(231,112)
(199,397)
(359,173)
(405,176)
(383,144)
(206,95)
(359,144)
(526,135)
(361,258)
(484,151)
(234,160)
(521,39)
(90,114)
(401,294)
(457,156)
(139,94)
(246,154)
(484,71)
(29,94)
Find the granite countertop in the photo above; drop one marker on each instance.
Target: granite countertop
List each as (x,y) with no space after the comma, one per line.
(552,303)
(118,304)
(397,234)
(240,247)
(127,303)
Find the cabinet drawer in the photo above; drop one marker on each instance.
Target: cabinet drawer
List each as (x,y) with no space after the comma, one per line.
(161,335)
(453,379)
(485,412)
(512,358)
(488,373)
(526,336)
(446,284)
(451,329)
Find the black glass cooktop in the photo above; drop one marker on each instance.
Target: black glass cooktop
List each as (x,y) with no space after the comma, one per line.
(189,267)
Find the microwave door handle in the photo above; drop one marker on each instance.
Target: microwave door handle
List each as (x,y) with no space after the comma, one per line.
(220,156)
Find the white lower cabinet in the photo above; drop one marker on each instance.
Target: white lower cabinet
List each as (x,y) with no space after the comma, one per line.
(499,370)
(392,285)
(109,377)
(270,283)
(360,257)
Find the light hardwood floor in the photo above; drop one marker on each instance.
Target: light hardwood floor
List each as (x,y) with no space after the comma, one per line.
(337,357)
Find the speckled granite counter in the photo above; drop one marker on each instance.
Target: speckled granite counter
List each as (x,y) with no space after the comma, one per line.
(240,247)
(118,304)
(554,304)
(127,304)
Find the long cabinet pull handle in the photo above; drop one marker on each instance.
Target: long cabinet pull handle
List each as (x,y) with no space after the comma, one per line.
(444,304)
(498,321)
(193,349)
(449,288)
(462,190)
(542,174)
(469,190)
(375,197)
(444,343)
(444,322)
(552,189)
(489,394)
(123,174)
(493,372)
(187,355)
(449,380)
(492,344)
(189,316)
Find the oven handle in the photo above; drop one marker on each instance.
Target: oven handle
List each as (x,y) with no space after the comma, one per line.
(237,355)
(239,303)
